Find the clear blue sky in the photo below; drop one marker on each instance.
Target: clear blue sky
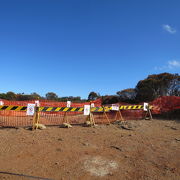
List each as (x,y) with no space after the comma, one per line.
(72,47)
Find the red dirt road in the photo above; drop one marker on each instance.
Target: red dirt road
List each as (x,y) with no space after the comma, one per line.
(151,150)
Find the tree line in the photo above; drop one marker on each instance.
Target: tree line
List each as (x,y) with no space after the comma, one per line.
(34,96)
(154,86)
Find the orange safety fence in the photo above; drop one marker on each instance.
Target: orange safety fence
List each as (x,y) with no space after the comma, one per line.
(19,118)
(165,104)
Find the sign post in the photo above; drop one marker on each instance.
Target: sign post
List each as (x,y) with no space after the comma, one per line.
(115,107)
(104,113)
(147,109)
(90,118)
(36,118)
(65,119)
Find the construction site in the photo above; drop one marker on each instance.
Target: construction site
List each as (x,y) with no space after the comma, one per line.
(66,140)
(89,90)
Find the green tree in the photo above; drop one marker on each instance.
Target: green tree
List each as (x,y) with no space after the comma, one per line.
(154,86)
(127,95)
(110,99)
(52,96)
(174,86)
(11,96)
(93,96)
(3,96)
(24,97)
(70,98)
(34,95)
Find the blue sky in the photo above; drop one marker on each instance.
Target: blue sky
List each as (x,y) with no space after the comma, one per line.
(72,47)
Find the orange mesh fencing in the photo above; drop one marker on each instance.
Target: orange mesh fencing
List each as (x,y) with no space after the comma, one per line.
(165,104)
(19,118)
(97,103)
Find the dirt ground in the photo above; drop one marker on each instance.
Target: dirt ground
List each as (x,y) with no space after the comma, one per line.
(141,149)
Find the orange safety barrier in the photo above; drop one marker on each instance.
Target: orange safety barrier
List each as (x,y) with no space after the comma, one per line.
(19,118)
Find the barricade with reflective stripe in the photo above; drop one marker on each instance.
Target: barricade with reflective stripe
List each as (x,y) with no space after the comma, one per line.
(72,109)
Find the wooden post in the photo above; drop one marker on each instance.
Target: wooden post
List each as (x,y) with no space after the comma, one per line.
(36,118)
(104,113)
(91,116)
(92,119)
(65,119)
(120,115)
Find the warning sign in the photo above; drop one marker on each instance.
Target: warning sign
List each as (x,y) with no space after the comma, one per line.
(37,103)
(92,105)
(1,103)
(87,109)
(68,103)
(115,107)
(145,106)
(30,109)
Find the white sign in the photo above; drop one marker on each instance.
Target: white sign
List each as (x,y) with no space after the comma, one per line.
(87,109)
(68,103)
(30,109)
(145,106)
(1,103)
(92,105)
(37,103)
(115,107)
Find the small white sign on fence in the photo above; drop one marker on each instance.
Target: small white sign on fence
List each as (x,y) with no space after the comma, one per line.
(1,103)
(68,103)
(92,105)
(87,109)
(145,106)
(37,103)
(115,107)
(30,109)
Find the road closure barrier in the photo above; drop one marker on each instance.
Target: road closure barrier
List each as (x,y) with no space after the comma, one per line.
(14,113)
(19,113)
(71,109)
